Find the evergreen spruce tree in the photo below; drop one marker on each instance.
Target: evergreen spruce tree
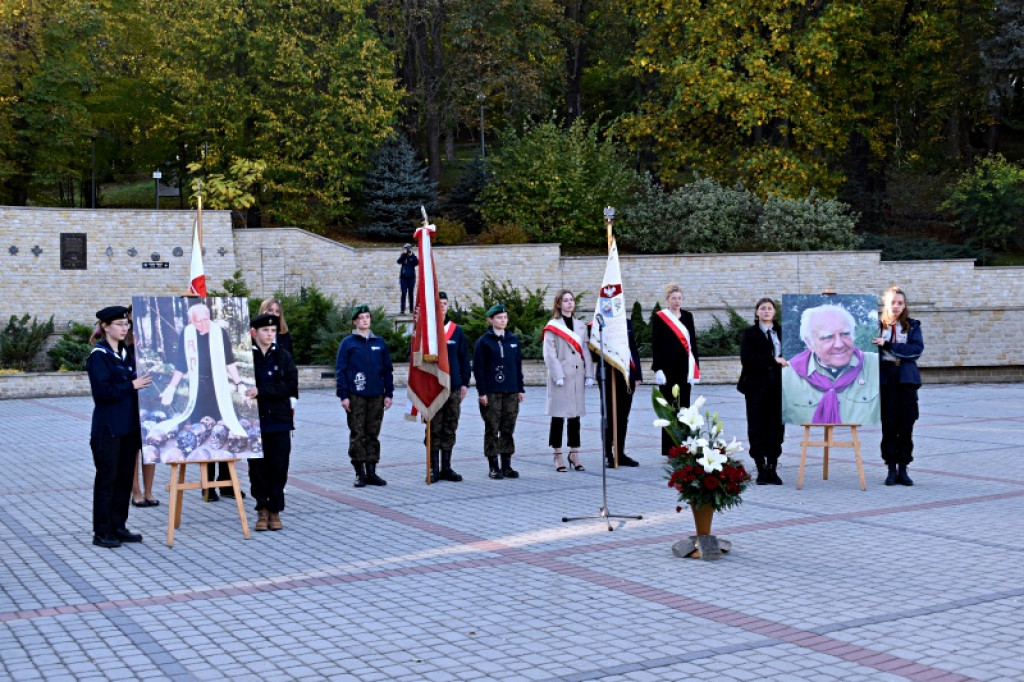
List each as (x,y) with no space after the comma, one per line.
(395,188)
(461,204)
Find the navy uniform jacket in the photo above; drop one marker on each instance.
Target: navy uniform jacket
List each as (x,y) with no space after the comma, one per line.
(458,359)
(111,373)
(498,363)
(277,380)
(364,367)
(908,353)
(408,261)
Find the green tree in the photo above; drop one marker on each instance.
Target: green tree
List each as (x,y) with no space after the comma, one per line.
(988,202)
(305,87)
(555,182)
(394,190)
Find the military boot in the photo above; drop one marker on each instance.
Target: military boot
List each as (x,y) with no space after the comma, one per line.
(506,467)
(901,476)
(371,475)
(274,522)
(360,481)
(447,473)
(495,472)
(762,478)
(891,478)
(435,457)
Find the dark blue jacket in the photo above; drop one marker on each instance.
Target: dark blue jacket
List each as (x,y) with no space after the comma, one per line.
(364,367)
(277,380)
(498,363)
(458,359)
(408,261)
(908,353)
(116,411)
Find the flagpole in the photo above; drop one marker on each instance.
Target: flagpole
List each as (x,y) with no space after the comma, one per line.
(609,218)
(428,455)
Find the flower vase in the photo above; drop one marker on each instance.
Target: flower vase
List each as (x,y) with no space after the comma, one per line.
(702,516)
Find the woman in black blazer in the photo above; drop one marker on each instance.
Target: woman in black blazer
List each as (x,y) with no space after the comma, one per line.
(675,359)
(761,384)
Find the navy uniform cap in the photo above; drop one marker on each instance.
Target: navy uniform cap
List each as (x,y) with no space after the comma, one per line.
(443,295)
(111,313)
(359,310)
(495,309)
(265,320)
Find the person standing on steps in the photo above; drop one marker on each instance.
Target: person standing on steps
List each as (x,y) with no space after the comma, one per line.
(407,276)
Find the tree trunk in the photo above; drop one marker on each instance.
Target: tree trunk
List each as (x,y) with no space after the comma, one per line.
(575,59)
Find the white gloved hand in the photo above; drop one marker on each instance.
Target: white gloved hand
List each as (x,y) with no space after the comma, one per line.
(659,378)
(559,382)
(588,382)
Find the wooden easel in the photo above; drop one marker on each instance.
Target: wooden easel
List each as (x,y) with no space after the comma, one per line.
(830,442)
(178,486)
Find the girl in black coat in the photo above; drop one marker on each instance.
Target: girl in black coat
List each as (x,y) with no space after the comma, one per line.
(761,385)
(675,359)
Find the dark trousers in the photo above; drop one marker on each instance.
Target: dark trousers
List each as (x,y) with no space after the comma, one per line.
(218,473)
(555,432)
(500,416)
(365,416)
(112,490)
(269,474)
(617,417)
(445,423)
(765,430)
(899,412)
(408,287)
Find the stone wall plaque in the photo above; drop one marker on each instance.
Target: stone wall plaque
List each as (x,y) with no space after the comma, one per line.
(159,265)
(73,250)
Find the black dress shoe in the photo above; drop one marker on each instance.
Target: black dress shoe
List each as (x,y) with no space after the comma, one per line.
(627,461)
(105,541)
(210,495)
(125,535)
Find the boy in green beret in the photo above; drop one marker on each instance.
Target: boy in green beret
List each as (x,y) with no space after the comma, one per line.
(366,385)
(498,368)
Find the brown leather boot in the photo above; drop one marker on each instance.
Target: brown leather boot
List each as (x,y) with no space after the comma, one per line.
(263,520)
(275,521)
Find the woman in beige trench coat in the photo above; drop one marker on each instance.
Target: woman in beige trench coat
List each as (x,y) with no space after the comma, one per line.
(570,371)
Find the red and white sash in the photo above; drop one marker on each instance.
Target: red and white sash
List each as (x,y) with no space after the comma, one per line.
(558,328)
(449,330)
(677,327)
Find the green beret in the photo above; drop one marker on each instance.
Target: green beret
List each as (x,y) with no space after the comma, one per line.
(495,309)
(359,310)
(442,295)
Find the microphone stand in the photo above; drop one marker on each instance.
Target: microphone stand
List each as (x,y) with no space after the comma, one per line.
(604,513)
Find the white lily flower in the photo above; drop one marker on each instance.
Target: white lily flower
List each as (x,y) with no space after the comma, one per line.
(734,446)
(675,390)
(659,378)
(691,418)
(661,423)
(662,401)
(712,461)
(699,403)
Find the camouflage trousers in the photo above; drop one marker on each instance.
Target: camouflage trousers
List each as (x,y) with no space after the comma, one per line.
(364,419)
(500,416)
(444,424)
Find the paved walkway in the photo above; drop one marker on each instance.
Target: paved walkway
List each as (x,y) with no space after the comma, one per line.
(482,580)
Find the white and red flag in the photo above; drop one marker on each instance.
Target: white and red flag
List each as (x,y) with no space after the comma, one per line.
(610,313)
(197,276)
(429,373)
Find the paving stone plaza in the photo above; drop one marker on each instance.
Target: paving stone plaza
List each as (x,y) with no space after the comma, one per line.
(482,580)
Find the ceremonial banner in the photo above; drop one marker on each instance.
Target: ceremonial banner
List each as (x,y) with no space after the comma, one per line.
(832,377)
(199,353)
(611,306)
(197,275)
(429,373)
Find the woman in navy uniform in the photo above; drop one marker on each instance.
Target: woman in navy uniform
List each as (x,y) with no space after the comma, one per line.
(116,436)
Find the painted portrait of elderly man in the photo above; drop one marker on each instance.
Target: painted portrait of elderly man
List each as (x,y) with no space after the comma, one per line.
(832,377)
(199,352)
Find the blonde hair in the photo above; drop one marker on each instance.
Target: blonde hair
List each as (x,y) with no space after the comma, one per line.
(556,309)
(671,289)
(887,318)
(282,326)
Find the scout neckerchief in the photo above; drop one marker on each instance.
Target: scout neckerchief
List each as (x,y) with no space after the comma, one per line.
(827,411)
(221,386)
(558,328)
(683,334)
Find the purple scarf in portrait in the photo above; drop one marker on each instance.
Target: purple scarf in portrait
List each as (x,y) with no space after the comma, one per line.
(827,411)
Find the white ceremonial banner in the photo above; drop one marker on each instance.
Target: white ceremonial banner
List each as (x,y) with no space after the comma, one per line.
(611,308)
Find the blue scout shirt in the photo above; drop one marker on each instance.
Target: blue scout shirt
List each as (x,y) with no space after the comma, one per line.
(364,367)
(111,373)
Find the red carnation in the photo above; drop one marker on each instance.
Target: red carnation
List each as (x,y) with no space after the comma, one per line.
(710,482)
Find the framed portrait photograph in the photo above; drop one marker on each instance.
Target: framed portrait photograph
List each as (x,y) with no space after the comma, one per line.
(199,353)
(832,377)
